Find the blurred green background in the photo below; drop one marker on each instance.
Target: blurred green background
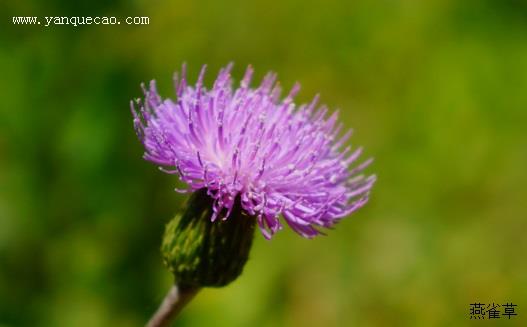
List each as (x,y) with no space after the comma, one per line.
(435,90)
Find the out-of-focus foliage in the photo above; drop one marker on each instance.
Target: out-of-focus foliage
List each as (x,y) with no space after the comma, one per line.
(435,90)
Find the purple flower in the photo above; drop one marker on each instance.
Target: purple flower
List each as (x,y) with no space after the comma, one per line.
(279,158)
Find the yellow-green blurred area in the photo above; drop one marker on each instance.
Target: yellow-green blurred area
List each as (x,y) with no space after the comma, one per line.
(436,92)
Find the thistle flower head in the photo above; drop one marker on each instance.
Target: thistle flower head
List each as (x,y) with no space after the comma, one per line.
(254,146)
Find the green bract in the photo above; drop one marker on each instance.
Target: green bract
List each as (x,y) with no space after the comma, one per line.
(202,253)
